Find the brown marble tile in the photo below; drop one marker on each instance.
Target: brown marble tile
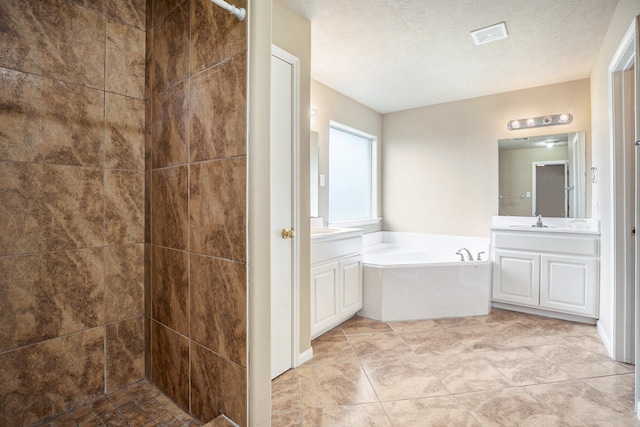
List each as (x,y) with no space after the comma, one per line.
(330,385)
(148,62)
(148,372)
(576,403)
(97,5)
(46,379)
(162,7)
(148,285)
(362,325)
(169,207)
(170,363)
(125,60)
(368,414)
(169,133)
(131,12)
(218,306)
(49,295)
(522,367)
(125,352)
(509,407)
(170,46)
(47,208)
(218,208)
(147,206)
(125,132)
(285,395)
(170,298)
(216,35)
(65,130)
(434,411)
(124,207)
(218,386)
(124,281)
(218,111)
(53,38)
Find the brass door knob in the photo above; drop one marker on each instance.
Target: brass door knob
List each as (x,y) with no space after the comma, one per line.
(288,233)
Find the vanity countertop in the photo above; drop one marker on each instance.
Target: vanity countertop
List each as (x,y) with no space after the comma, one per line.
(551,225)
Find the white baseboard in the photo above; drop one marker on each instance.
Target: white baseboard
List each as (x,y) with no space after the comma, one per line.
(606,339)
(305,356)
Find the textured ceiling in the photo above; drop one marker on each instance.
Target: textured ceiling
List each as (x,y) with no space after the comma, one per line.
(393,55)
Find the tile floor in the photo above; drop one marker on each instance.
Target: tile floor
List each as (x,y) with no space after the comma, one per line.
(505,369)
(140,404)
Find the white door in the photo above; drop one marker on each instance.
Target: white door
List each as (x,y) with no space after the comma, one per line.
(516,277)
(568,284)
(284,248)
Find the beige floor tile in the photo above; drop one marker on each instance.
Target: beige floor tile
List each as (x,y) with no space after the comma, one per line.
(332,349)
(362,325)
(291,418)
(456,322)
(470,375)
(473,331)
(619,388)
(508,407)
(577,404)
(413,325)
(379,346)
(580,362)
(284,391)
(434,342)
(370,415)
(434,412)
(330,385)
(406,378)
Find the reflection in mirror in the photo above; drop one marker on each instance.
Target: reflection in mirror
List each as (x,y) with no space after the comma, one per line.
(542,175)
(313,167)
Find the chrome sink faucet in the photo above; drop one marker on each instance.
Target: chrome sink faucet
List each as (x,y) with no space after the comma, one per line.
(539,223)
(462,255)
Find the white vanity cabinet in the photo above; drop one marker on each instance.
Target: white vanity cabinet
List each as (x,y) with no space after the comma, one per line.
(555,270)
(336,279)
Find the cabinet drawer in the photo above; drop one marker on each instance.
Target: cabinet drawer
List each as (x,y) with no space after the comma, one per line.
(561,243)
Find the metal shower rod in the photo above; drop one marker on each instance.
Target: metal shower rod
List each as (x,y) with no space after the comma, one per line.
(238,12)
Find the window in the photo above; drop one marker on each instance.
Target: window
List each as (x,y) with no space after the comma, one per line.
(352,176)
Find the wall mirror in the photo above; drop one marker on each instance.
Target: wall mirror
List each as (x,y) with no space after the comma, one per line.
(542,175)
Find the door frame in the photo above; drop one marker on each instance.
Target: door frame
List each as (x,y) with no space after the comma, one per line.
(625,305)
(295,197)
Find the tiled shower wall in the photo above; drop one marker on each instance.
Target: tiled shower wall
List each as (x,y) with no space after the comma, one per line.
(196,206)
(71,203)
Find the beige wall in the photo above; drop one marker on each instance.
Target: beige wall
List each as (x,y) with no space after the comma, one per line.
(515,176)
(440,163)
(601,146)
(331,105)
(292,33)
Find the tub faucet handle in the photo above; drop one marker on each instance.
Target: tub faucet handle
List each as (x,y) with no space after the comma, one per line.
(468,254)
(461,255)
(478,257)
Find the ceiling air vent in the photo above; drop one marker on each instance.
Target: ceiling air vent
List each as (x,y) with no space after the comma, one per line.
(489,34)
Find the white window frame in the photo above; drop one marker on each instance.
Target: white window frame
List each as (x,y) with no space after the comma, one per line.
(374,218)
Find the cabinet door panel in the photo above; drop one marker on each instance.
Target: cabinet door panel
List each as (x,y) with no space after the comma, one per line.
(351,270)
(516,277)
(569,284)
(324,289)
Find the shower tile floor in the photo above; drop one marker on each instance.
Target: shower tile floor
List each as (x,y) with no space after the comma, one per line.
(140,404)
(504,369)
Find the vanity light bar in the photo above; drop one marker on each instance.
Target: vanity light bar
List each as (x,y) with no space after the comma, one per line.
(533,122)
